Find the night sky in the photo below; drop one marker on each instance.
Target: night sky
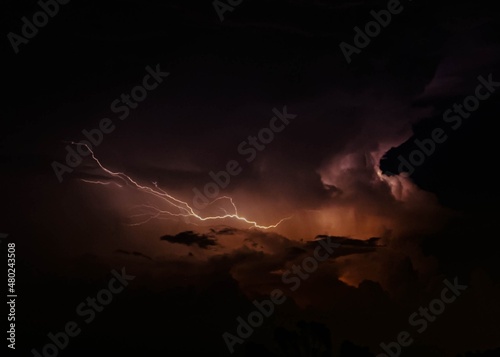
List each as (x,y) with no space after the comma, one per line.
(226,153)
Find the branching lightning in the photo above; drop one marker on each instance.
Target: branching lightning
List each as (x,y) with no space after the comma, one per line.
(178,208)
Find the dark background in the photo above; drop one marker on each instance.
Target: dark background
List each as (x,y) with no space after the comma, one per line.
(272,52)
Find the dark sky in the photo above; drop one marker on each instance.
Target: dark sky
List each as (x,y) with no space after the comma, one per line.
(332,171)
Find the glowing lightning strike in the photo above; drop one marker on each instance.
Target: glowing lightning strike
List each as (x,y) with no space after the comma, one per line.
(185,210)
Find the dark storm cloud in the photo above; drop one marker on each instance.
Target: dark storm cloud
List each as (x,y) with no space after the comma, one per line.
(255,263)
(295,252)
(190,238)
(224,230)
(370,243)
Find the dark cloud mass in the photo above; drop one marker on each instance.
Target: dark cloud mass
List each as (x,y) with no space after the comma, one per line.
(189,238)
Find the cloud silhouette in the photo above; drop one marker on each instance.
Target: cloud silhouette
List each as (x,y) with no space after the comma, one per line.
(189,238)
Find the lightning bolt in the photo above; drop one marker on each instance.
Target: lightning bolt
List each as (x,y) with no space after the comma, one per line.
(181,209)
